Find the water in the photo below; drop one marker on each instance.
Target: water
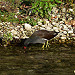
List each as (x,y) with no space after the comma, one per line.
(52,61)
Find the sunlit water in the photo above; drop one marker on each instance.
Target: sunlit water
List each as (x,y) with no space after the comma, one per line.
(53,61)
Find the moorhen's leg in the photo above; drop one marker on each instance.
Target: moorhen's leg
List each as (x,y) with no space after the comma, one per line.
(47,44)
(43,46)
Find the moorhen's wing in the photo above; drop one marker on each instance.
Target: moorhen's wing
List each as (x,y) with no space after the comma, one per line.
(43,34)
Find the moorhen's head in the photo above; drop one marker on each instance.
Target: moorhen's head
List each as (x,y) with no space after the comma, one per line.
(40,36)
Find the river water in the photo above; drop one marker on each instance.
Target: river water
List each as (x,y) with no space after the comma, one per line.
(51,61)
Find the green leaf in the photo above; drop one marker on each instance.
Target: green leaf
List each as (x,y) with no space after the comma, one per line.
(46,4)
(52,0)
(58,1)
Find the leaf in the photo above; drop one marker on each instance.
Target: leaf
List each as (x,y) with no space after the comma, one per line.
(58,1)
(52,0)
(46,4)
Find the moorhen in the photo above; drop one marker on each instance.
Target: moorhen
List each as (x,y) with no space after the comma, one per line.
(40,36)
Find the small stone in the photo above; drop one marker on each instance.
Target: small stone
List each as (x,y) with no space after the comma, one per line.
(2,15)
(65,32)
(16,37)
(63,37)
(14,32)
(61,22)
(71,10)
(39,23)
(70,31)
(54,23)
(55,28)
(47,22)
(67,14)
(64,10)
(15,16)
(70,18)
(21,29)
(58,16)
(53,15)
(41,28)
(63,19)
(43,25)
(48,28)
(27,26)
(8,23)
(1,23)
(18,26)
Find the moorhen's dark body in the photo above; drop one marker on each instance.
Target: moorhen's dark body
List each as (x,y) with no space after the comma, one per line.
(40,36)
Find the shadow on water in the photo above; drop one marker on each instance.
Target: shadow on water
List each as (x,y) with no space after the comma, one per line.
(53,61)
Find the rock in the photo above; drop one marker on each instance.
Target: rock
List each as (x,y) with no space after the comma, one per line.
(16,37)
(56,29)
(71,10)
(53,15)
(61,22)
(64,10)
(41,28)
(21,29)
(47,22)
(15,16)
(67,15)
(48,28)
(39,23)
(70,31)
(58,16)
(63,38)
(54,23)
(14,32)
(70,18)
(27,26)
(65,32)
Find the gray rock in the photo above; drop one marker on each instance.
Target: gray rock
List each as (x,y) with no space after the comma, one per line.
(14,32)
(27,26)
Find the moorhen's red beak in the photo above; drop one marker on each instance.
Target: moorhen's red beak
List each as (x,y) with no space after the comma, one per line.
(25,47)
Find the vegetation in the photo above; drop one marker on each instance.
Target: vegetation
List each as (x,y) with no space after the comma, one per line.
(43,8)
(39,9)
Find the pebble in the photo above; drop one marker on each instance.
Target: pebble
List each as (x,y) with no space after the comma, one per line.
(58,16)
(63,37)
(14,32)
(65,32)
(70,31)
(64,10)
(27,26)
(21,29)
(54,23)
(71,10)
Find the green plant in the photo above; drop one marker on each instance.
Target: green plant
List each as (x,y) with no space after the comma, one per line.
(30,20)
(8,17)
(7,37)
(44,7)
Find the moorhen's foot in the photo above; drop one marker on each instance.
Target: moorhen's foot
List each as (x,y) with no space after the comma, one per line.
(45,45)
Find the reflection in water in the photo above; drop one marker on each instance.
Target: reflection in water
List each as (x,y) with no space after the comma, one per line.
(54,61)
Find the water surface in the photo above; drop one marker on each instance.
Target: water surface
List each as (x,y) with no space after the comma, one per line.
(52,61)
